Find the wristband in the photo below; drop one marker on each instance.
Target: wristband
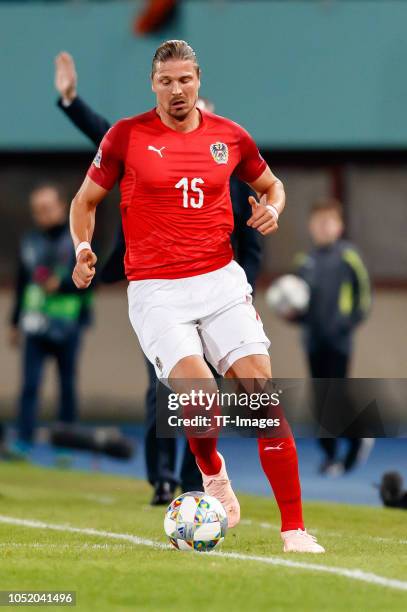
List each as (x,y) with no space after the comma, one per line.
(273,211)
(81,247)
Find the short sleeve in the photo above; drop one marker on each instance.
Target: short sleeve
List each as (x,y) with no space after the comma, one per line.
(107,165)
(251,165)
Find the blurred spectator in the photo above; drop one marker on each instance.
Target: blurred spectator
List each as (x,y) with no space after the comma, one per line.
(2,440)
(49,313)
(160,453)
(340,300)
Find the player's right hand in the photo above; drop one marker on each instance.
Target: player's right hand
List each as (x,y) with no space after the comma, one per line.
(262,219)
(65,76)
(84,271)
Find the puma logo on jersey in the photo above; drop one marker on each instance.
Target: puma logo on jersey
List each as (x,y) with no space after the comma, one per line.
(151,148)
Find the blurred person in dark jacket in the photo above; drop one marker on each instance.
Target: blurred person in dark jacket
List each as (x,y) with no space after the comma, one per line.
(340,300)
(160,453)
(49,313)
(2,440)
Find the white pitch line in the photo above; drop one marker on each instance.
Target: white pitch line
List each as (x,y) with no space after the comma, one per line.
(83,530)
(354,574)
(40,545)
(263,525)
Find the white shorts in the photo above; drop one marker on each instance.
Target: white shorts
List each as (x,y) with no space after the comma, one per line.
(209,314)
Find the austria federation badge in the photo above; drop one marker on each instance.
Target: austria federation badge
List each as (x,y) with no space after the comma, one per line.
(220,152)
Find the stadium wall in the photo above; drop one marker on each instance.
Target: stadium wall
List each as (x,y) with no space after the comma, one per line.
(295,73)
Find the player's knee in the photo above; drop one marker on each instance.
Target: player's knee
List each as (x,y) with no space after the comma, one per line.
(252,366)
(260,371)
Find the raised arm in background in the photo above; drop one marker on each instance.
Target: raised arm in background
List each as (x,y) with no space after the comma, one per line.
(93,125)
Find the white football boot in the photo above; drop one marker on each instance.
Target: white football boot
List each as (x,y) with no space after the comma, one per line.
(218,485)
(298,540)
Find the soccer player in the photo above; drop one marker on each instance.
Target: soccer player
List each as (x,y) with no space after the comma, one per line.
(160,453)
(187,297)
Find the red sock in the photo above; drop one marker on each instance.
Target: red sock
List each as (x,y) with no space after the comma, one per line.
(202,446)
(279,460)
(206,455)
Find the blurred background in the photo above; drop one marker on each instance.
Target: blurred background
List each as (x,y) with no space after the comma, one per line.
(319,85)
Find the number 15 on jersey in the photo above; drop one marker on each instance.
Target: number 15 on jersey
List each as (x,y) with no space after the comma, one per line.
(188,198)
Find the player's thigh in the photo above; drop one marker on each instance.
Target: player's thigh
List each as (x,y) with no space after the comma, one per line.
(192,366)
(251,366)
(192,373)
(166,350)
(164,340)
(232,334)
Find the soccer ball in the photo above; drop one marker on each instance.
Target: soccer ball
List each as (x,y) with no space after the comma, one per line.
(288,294)
(195,521)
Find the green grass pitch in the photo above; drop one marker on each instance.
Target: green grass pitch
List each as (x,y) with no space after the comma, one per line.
(120,574)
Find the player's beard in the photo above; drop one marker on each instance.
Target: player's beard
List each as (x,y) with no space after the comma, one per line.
(180,114)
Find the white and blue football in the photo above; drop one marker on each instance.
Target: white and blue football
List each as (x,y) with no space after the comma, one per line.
(195,521)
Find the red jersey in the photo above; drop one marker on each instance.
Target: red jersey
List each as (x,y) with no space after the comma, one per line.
(175,200)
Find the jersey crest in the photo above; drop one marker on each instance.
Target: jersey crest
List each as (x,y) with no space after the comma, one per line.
(220,152)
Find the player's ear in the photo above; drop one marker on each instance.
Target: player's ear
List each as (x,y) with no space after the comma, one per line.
(153,88)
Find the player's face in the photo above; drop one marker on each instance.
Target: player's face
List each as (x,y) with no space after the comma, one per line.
(176,85)
(46,208)
(325,227)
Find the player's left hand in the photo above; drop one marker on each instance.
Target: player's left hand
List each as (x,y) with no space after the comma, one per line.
(262,219)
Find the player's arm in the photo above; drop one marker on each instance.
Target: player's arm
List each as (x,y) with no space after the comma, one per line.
(82,222)
(254,171)
(103,173)
(266,211)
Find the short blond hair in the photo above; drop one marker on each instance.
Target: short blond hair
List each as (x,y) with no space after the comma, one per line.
(174,49)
